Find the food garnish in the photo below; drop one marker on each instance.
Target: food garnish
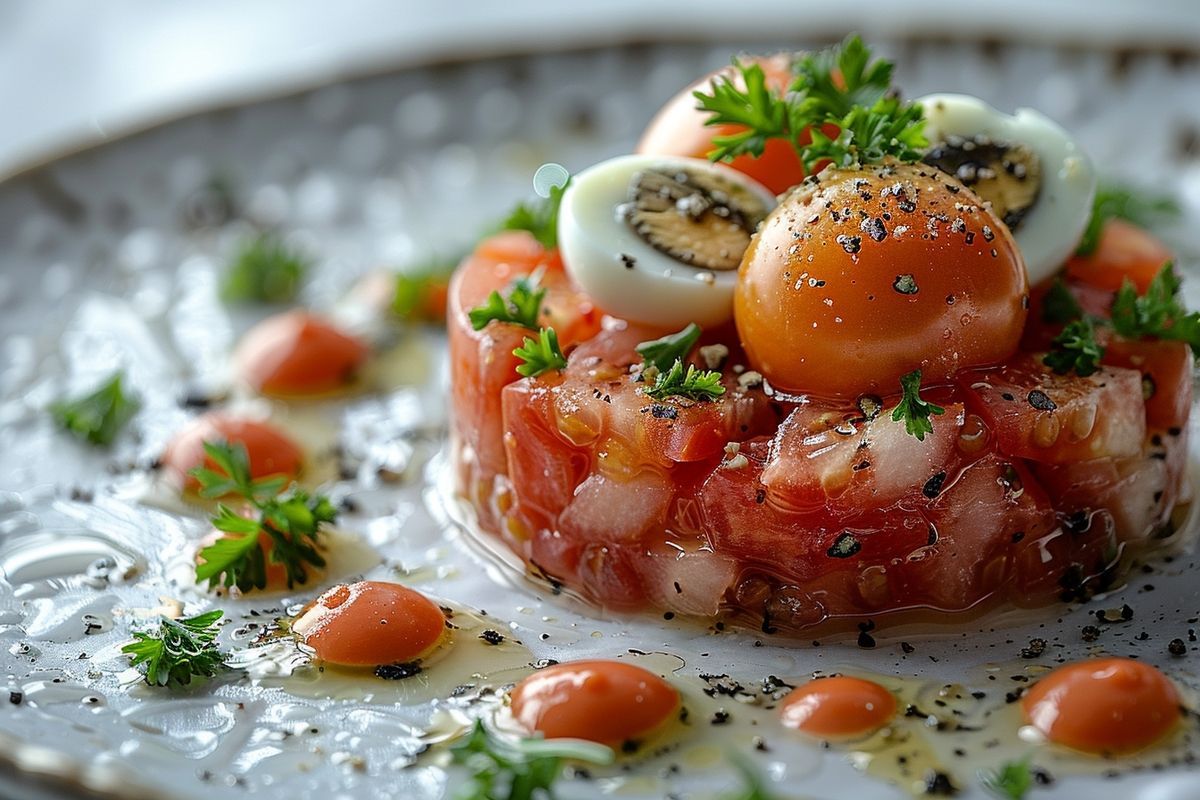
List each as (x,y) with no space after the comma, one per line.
(265,270)
(1075,349)
(1113,201)
(420,292)
(292,520)
(520,305)
(912,409)
(692,384)
(539,217)
(1059,305)
(522,769)
(540,355)
(179,651)
(1158,313)
(97,417)
(662,353)
(1012,781)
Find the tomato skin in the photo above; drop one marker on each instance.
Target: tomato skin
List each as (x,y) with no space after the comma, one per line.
(1166,369)
(823,304)
(1124,251)
(270,450)
(298,353)
(679,129)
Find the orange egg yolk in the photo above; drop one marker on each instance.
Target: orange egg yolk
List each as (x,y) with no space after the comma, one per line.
(840,707)
(371,623)
(1113,705)
(298,353)
(609,702)
(269,450)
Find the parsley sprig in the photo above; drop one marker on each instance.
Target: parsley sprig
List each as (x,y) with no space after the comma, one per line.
(540,355)
(179,651)
(420,291)
(291,520)
(521,304)
(97,417)
(912,409)
(692,384)
(524,769)
(1158,313)
(539,217)
(1012,781)
(1121,202)
(1075,349)
(662,353)
(841,86)
(1059,305)
(265,270)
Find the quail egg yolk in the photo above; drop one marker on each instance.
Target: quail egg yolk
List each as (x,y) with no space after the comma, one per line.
(371,623)
(609,702)
(269,450)
(841,707)
(298,353)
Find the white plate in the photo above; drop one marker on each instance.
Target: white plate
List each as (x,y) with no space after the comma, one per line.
(101,268)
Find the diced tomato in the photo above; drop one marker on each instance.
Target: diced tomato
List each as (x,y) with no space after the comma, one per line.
(1039,333)
(1166,369)
(1124,251)
(1059,419)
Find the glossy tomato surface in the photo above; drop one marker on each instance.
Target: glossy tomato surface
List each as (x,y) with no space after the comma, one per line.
(861,276)
(1124,252)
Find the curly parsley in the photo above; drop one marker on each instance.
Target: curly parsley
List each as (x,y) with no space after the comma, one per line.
(1075,350)
(662,353)
(692,384)
(525,769)
(265,270)
(540,355)
(97,417)
(1012,781)
(291,521)
(841,86)
(539,217)
(1121,202)
(179,651)
(1158,313)
(521,305)
(912,409)
(1059,305)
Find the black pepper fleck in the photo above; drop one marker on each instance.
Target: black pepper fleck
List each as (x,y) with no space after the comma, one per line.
(1041,401)
(845,546)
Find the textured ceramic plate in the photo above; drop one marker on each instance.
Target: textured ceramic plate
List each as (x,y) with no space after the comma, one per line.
(109,259)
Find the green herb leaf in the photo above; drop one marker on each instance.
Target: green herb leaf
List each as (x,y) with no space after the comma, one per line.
(525,769)
(540,355)
(662,353)
(1059,305)
(1012,781)
(1075,350)
(179,651)
(761,111)
(522,306)
(265,270)
(420,291)
(914,411)
(694,384)
(754,788)
(97,417)
(539,217)
(292,521)
(1157,314)
(863,82)
(888,128)
(1121,202)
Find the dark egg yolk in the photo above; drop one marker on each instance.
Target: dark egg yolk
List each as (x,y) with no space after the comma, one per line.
(609,702)
(840,707)
(1112,705)
(371,623)
(269,450)
(298,353)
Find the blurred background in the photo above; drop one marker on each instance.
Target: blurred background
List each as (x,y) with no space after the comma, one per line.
(79,73)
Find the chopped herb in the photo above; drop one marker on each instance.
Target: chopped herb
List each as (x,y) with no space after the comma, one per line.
(539,217)
(291,520)
(540,355)
(913,410)
(662,353)
(1158,313)
(524,769)
(522,306)
(179,651)
(1075,350)
(265,270)
(873,124)
(97,417)
(693,384)
(1012,781)
(1121,202)
(1059,305)
(420,293)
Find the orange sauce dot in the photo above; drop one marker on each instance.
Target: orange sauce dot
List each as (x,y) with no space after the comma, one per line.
(609,702)
(298,353)
(1111,705)
(840,707)
(271,452)
(370,623)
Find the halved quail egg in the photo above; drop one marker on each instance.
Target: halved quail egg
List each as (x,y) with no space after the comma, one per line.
(1035,176)
(658,239)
